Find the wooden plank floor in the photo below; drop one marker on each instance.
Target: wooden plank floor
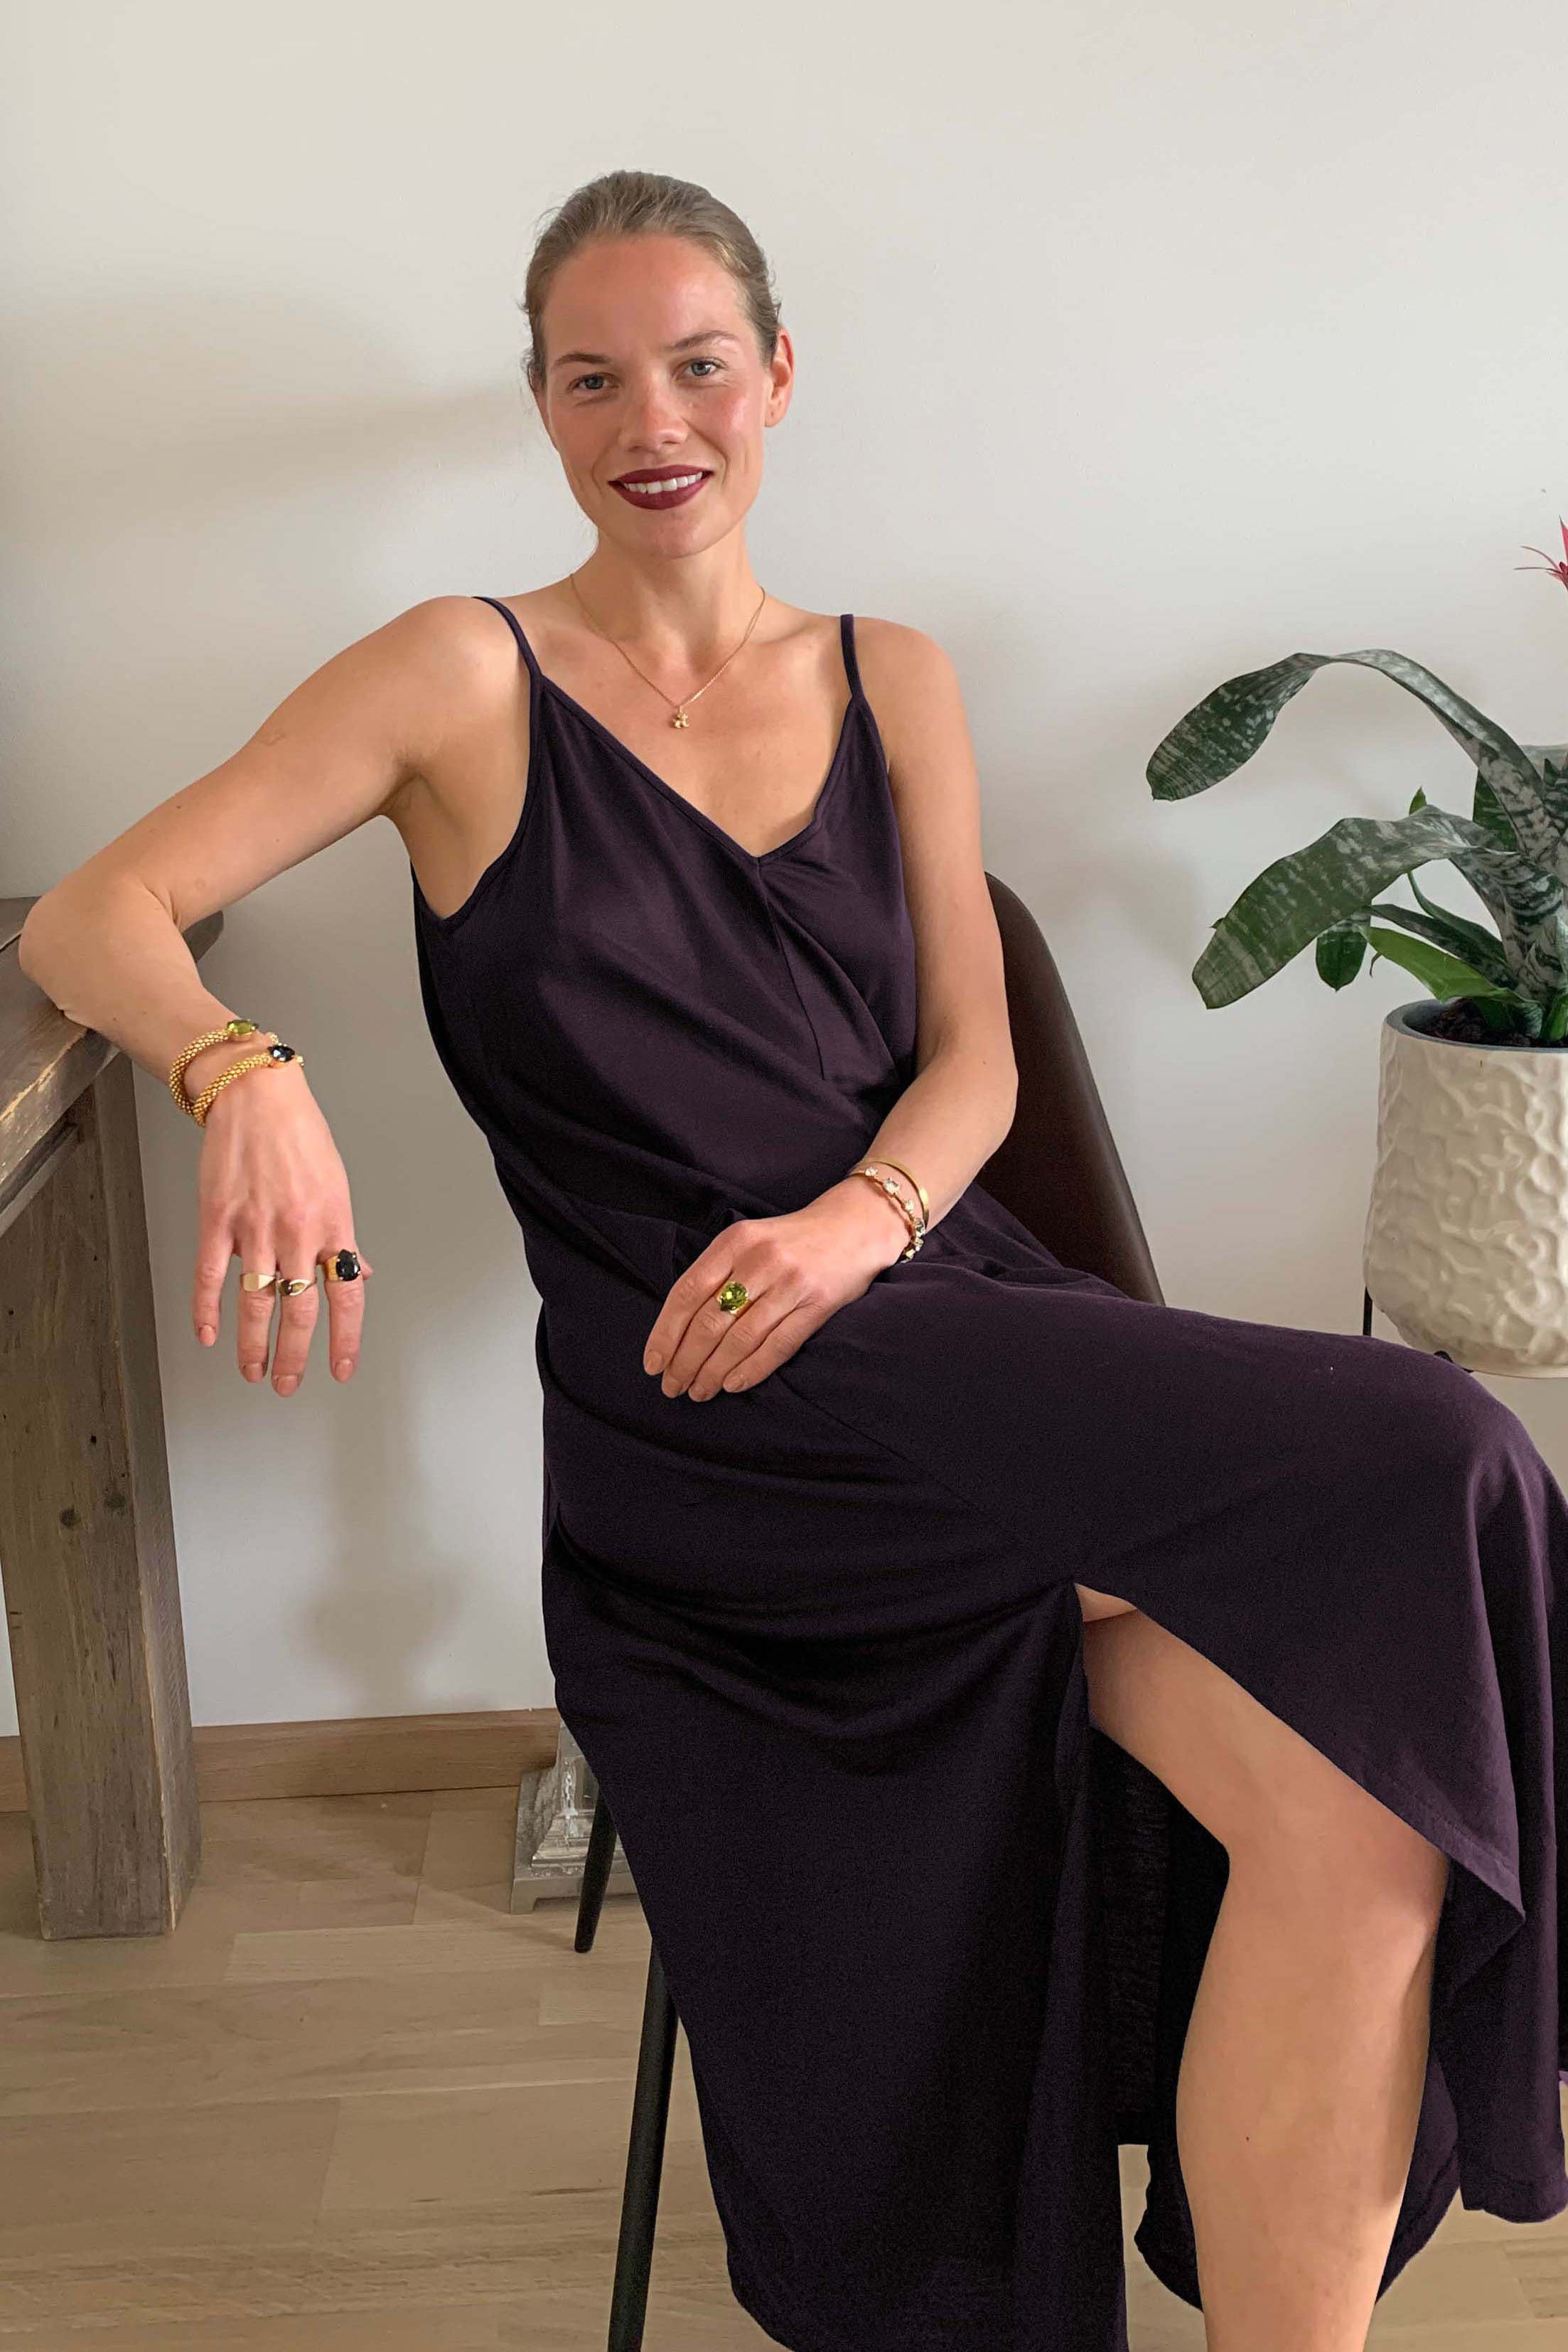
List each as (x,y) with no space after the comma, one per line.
(355,2101)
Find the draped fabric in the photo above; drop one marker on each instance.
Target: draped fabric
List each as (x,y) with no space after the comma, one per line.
(934,1941)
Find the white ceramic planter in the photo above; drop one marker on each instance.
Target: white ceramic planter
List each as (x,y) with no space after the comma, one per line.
(1467,1230)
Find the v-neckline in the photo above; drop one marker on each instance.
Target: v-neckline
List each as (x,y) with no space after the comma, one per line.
(711,824)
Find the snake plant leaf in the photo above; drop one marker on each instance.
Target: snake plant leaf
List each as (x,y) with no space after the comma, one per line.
(1508,1017)
(1550,762)
(1217,735)
(1444,974)
(1220,733)
(1518,937)
(1487,809)
(1457,933)
(1341,952)
(1338,876)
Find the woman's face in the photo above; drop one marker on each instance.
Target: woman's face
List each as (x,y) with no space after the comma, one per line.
(653,365)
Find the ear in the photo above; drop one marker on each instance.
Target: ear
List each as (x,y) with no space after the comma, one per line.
(781,373)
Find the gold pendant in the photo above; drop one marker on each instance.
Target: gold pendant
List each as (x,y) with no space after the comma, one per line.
(679,720)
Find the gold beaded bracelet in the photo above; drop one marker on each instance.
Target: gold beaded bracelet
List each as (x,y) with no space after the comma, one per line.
(914,1218)
(275,1056)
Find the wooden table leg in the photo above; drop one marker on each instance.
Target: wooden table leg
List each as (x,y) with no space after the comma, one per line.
(87,1542)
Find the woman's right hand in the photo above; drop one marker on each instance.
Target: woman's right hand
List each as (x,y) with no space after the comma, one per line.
(272,1191)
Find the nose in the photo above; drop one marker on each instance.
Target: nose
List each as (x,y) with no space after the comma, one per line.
(653,413)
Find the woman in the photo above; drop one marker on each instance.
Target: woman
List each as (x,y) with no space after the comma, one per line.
(706,948)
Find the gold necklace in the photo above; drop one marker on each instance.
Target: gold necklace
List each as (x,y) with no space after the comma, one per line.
(680,718)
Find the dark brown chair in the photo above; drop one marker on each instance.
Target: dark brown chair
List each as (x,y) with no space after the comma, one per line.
(1059,1173)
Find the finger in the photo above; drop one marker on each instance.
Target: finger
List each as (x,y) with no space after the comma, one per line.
(346,1316)
(779,1344)
(253,1324)
(214,1248)
(739,1337)
(296,1314)
(713,1343)
(681,1301)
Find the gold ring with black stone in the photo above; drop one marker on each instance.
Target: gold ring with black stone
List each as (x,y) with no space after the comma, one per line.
(341,1265)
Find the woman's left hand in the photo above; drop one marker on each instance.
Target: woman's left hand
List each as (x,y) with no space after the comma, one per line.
(797,1269)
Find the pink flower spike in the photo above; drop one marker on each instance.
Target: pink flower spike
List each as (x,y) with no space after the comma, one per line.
(1558,571)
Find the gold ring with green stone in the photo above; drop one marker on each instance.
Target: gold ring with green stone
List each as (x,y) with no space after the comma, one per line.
(732,1297)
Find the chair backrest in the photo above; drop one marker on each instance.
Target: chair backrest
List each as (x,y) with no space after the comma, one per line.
(1058,1170)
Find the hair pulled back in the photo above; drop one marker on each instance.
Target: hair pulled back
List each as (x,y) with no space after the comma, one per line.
(647,203)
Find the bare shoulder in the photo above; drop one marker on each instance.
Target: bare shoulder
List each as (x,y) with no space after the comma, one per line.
(347,743)
(910,682)
(455,662)
(911,686)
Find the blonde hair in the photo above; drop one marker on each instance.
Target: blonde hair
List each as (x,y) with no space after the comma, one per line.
(647,203)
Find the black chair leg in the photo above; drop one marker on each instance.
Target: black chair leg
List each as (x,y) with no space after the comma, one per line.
(644,2161)
(595,1874)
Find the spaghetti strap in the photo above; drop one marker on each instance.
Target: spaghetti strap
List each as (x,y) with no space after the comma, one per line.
(852,667)
(526,649)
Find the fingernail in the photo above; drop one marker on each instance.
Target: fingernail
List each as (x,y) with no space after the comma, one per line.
(206,1334)
(653,1361)
(254,1371)
(343,1367)
(286,1383)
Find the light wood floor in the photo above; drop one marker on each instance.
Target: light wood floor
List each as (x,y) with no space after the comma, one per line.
(353,2101)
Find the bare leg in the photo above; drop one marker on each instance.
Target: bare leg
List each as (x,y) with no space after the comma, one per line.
(1298,2100)
(1301,2080)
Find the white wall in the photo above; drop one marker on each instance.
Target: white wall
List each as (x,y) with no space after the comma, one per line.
(1138,346)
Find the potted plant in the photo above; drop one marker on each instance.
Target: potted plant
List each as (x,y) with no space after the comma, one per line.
(1466,1247)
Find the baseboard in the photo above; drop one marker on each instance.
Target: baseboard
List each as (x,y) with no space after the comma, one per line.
(352,1757)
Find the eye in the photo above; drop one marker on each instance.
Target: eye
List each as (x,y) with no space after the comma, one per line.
(596,375)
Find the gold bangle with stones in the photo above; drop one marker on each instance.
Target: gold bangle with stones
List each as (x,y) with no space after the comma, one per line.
(276,1057)
(911,1215)
(237,1027)
(924,1196)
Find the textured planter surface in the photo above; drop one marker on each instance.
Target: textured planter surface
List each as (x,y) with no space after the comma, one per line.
(1467,1230)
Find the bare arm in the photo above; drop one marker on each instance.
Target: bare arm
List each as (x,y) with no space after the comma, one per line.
(958,1109)
(803,1266)
(106,945)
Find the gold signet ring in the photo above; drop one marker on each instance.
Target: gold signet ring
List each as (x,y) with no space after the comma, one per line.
(258,1281)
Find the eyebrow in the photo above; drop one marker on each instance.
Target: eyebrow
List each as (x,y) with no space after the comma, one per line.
(604,359)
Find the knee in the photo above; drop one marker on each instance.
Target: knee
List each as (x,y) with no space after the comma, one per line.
(1450,1424)
(1326,1845)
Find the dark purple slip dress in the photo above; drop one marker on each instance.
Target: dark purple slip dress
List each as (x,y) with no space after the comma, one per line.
(818,1639)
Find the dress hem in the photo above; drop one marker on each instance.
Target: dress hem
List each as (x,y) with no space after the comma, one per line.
(1511,2198)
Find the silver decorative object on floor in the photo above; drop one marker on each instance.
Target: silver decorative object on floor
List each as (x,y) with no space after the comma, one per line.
(554,1816)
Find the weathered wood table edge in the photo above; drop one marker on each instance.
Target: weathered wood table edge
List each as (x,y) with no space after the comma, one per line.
(87,1542)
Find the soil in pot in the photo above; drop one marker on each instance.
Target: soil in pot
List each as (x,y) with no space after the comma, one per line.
(1458,1019)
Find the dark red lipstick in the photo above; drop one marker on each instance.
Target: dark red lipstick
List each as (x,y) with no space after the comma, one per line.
(658,500)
